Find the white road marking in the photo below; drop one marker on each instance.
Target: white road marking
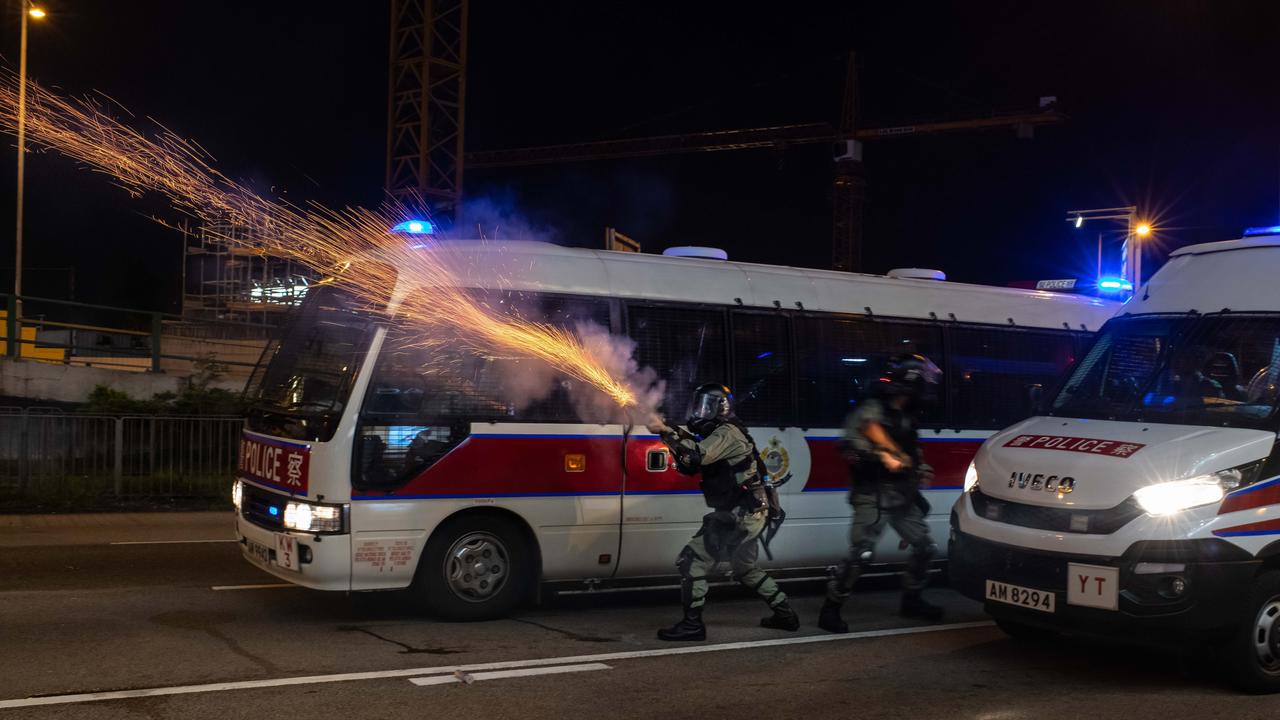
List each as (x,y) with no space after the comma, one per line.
(168,542)
(261,586)
(479,667)
(500,674)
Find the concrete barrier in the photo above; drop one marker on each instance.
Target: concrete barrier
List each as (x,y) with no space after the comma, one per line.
(35,380)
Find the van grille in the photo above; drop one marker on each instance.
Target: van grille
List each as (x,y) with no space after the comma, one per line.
(256,505)
(1092,522)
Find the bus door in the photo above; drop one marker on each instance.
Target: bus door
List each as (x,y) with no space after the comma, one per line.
(661,508)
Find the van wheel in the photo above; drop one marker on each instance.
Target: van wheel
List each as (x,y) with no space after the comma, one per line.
(474,568)
(1023,633)
(1253,653)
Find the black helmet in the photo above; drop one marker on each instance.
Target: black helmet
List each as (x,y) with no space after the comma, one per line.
(912,375)
(711,402)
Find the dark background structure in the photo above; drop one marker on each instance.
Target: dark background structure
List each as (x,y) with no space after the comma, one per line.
(1172,107)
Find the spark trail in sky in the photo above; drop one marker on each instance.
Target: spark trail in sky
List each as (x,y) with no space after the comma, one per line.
(351,247)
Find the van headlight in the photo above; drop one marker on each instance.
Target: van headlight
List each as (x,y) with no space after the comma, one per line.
(307,517)
(1171,497)
(237,493)
(971,477)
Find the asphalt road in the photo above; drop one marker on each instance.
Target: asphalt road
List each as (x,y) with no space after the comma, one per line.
(81,616)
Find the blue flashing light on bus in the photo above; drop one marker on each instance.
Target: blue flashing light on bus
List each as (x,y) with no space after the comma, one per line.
(1257,231)
(414,227)
(1114,285)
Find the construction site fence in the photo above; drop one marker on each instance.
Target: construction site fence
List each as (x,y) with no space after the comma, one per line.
(77,333)
(52,459)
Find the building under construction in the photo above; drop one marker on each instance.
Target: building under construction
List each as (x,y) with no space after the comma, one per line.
(227,279)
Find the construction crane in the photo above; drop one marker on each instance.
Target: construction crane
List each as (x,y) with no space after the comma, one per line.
(849,184)
(426,103)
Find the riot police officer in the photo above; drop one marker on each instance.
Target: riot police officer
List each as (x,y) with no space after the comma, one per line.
(735,486)
(883,448)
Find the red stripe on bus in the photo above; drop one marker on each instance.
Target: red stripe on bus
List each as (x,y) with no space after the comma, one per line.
(950,460)
(503,466)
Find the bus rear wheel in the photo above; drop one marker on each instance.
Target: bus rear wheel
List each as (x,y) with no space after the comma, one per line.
(1253,653)
(474,568)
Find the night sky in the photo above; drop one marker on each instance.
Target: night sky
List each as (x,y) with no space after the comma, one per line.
(1173,106)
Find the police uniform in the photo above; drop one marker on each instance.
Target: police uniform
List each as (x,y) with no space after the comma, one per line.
(734,489)
(882,497)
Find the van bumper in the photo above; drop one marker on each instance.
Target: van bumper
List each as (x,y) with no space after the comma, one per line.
(325,560)
(1216,574)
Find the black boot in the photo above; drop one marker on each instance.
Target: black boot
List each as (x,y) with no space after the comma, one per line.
(913,605)
(689,628)
(829,619)
(783,618)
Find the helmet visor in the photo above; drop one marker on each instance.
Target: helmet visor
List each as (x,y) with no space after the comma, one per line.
(706,406)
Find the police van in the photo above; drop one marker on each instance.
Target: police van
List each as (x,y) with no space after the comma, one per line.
(1144,499)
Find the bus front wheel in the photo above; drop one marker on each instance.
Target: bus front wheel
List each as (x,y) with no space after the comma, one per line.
(474,568)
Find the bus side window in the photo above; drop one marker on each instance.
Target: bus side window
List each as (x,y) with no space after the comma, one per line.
(839,360)
(762,369)
(990,370)
(685,345)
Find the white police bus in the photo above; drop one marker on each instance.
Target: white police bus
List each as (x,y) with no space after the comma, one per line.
(1146,497)
(372,460)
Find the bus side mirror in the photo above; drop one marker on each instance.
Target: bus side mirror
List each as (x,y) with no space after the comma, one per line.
(1035,399)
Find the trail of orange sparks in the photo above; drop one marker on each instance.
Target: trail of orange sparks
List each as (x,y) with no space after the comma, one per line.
(334,243)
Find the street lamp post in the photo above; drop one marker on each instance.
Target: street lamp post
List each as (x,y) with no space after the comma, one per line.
(28,10)
(1135,231)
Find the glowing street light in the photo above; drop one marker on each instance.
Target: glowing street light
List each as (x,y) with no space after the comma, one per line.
(36,13)
(1142,230)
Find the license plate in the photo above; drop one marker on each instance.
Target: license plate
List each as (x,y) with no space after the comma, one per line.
(287,552)
(1041,600)
(260,553)
(1096,586)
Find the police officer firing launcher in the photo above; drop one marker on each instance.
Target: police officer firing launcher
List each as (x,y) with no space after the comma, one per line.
(736,487)
(887,472)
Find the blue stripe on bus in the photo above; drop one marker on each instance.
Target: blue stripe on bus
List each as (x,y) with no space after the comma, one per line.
(845,489)
(544,436)
(268,440)
(466,496)
(824,438)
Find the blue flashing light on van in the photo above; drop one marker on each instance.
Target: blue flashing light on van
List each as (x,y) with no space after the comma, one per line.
(414,227)
(1114,285)
(1259,231)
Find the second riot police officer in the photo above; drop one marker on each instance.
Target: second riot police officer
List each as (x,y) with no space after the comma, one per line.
(735,486)
(883,448)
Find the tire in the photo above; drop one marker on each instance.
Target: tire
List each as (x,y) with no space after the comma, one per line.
(1252,655)
(1023,633)
(476,567)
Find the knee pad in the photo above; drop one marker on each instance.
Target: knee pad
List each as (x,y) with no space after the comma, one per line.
(863,555)
(684,561)
(924,553)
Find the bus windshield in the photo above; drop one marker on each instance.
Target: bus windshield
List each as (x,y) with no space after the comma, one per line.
(305,377)
(1214,370)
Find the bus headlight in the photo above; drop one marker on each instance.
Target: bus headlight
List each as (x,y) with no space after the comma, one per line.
(312,518)
(971,477)
(237,492)
(1171,497)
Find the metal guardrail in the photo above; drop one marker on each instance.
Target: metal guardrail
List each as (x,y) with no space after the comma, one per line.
(57,458)
(134,338)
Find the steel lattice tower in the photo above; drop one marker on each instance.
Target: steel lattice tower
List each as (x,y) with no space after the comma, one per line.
(426,102)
